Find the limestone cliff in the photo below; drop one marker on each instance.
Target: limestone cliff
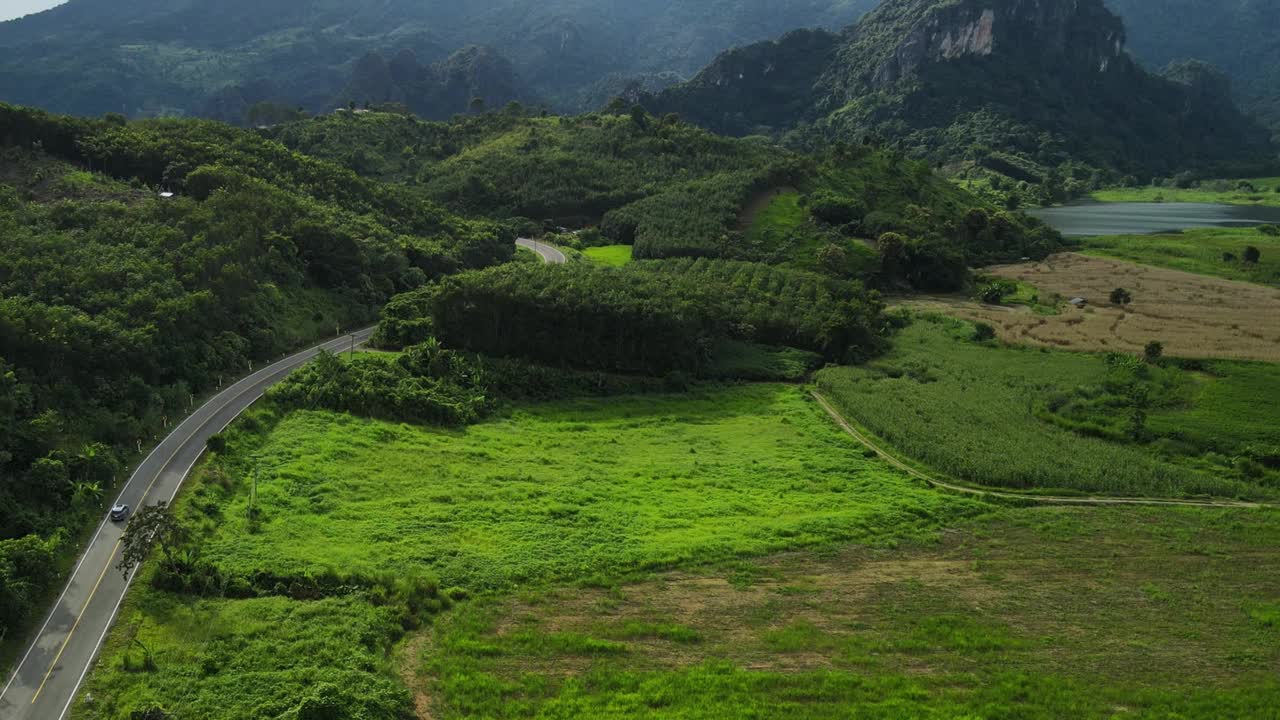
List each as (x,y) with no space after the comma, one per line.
(1031,85)
(900,38)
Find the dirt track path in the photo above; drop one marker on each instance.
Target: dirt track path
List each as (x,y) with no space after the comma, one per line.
(1021,497)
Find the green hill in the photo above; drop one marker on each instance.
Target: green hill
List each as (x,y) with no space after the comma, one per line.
(671,189)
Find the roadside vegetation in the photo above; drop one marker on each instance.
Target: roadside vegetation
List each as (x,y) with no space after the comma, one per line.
(1058,422)
(118,306)
(306,523)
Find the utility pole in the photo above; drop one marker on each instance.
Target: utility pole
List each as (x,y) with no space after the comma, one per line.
(353,345)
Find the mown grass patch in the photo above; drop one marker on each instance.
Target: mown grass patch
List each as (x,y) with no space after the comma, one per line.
(608,255)
(1031,613)
(973,411)
(1201,251)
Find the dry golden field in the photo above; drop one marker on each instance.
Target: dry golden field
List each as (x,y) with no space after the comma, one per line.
(1193,315)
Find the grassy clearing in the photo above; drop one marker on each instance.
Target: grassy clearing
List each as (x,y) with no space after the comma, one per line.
(972,411)
(778,212)
(609,255)
(1034,613)
(563,491)
(1197,251)
(1265,191)
(589,493)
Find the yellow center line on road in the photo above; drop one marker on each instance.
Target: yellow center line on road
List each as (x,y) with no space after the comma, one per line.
(62,649)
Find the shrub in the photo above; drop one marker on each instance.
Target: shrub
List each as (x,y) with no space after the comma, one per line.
(1252,255)
(216,443)
(1153,351)
(994,293)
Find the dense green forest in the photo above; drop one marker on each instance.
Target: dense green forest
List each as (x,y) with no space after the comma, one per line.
(669,188)
(218,60)
(649,318)
(1033,103)
(118,306)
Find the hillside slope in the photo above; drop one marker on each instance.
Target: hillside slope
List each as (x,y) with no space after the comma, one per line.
(671,189)
(1037,91)
(150,57)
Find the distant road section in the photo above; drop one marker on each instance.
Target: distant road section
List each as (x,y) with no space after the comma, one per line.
(46,680)
(549,253)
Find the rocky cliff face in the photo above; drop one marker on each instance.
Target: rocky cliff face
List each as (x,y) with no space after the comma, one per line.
(1080,34)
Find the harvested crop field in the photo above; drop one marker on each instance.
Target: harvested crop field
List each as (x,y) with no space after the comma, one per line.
(1193,315)
(1097,613)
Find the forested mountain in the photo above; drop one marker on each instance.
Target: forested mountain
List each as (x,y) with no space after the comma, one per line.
(1033,91)
(118,305)
(1241,37)
(187,56)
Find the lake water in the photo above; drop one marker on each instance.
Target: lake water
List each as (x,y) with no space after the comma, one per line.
(1094,218)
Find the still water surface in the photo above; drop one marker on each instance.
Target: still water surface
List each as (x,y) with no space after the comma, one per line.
(1094,218)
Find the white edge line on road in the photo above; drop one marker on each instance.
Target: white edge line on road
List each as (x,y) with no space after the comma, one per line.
(129,581)
(35,640)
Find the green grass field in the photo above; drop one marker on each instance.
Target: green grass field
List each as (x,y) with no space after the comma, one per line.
(1220,191)
(1197,251)
(1031,614)
(561,491)
(971,411)
(609,255)
(584,492)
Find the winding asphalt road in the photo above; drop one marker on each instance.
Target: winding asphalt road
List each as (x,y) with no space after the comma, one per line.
(549,253)
(46,681)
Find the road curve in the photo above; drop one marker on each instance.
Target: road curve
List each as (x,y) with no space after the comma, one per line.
(550,254)
(45,682)
(1020,497)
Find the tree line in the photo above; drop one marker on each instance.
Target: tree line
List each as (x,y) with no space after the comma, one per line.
(651,318)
